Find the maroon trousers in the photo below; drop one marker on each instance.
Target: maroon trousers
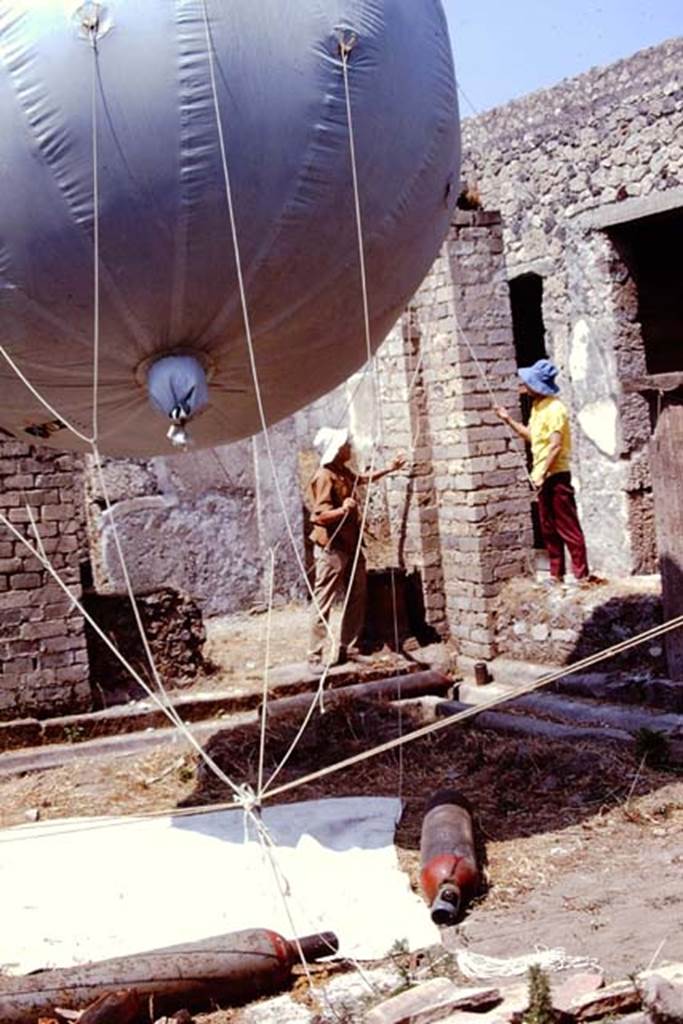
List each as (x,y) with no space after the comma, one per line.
(560,525)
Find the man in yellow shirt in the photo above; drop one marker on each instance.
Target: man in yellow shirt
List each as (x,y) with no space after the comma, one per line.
(549,435)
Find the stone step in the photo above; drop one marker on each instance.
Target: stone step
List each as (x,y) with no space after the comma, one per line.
(548,716)
(36,759)
(614,687)
(546,703)
(530,725)
(284,681)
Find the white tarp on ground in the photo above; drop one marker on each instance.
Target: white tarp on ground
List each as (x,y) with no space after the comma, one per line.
(76,891)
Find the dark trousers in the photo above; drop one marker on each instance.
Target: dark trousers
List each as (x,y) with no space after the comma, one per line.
(560,525)
(333,581)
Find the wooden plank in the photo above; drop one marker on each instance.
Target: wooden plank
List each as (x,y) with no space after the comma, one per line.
(653,382)
(666,459)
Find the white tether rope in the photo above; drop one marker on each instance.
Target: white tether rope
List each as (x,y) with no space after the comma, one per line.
(248,333)
(96,242)
(245,310)
(345,47)
(254,371)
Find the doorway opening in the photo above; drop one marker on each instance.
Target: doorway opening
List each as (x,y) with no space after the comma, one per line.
(651,249)
(528,329)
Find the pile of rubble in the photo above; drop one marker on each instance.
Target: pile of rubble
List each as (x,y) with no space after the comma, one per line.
(652,997)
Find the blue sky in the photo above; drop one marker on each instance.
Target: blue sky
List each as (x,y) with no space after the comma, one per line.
(506,48)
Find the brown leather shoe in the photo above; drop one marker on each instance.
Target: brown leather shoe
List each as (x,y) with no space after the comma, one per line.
(586,582)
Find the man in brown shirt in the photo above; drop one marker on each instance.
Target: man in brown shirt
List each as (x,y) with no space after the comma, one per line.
(339,559)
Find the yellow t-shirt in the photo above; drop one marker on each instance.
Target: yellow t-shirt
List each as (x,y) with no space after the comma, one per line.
(548,417)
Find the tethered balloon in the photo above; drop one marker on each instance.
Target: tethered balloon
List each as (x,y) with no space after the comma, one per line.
(111,148)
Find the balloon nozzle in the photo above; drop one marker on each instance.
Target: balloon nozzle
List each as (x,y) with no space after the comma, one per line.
(177,434)
(177,386)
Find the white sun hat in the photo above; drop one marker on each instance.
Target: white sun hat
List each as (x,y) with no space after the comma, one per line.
(329,441)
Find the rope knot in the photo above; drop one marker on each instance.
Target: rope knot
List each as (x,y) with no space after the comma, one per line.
(248,799)
(347,41)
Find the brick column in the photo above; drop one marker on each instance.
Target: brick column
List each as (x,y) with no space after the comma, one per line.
(43,657)
(483,494)
(467,509)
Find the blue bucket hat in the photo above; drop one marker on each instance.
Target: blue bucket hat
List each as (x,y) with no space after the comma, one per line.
(540,377)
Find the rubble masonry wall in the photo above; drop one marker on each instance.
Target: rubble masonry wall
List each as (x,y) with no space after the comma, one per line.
(606,141)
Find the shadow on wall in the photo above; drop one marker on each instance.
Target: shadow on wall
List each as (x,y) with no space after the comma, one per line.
(558,628)
(625,617)
(617,619)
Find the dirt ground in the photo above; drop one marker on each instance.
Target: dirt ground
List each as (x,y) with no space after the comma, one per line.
(238,646)
(584,842)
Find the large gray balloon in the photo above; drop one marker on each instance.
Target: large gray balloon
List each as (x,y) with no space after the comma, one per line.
(167,273)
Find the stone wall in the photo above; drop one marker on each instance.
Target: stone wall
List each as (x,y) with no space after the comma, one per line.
(564,166)
(43,658)
(205,523)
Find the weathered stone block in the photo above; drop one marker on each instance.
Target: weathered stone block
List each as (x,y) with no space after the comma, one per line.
(431,1001)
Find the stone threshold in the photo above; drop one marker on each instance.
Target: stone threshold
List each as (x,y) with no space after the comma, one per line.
(615,687)
(284,681)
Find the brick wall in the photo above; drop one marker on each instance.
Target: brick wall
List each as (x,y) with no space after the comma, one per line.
(43,658)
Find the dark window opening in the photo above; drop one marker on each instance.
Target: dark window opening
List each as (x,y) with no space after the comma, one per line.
(526,303)
(528,329)
(651,249)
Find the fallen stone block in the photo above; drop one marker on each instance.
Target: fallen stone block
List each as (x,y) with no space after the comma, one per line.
(663,999)
(670,972)
(566,991)
(622,997)
(434,1000)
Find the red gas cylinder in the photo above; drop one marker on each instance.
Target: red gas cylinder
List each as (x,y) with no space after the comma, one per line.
(449,873)
(225,969)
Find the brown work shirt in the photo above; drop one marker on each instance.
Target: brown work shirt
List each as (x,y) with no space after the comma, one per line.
(327,490)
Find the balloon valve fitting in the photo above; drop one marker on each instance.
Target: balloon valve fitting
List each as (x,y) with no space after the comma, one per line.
(90,17)
(177,434)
